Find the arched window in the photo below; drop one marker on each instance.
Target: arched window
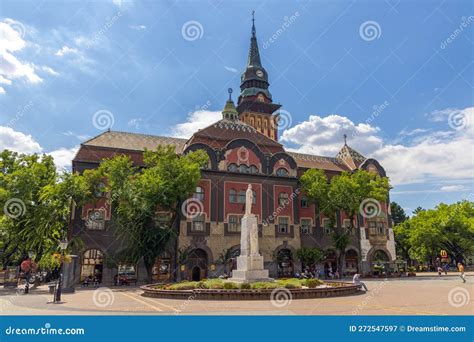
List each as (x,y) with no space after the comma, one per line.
(281,172)
(232,196)
(283,199)
(232,168)
(241,197)
(304,202)
(243,168)
(199,193)
(253,169)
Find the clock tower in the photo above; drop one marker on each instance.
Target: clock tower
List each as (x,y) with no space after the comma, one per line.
(255,104)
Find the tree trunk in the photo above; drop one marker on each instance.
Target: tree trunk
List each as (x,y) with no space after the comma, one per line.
(149,270)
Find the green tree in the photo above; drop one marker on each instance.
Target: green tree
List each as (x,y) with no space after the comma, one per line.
(348,191)
(417,210)
(37,203)
(449,227)
(165,182)
(309,256)
(315,186)
(398,214)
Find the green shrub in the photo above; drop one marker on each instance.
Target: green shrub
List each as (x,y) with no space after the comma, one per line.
(312,283)
(203,284)
(185,285)
(215,284)
(264,285)
(291,283)
(245,286)
(230,286)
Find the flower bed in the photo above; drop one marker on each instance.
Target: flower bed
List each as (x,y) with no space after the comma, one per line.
(225,290)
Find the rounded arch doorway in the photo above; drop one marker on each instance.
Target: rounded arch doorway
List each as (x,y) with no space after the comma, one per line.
(284,260)
(92,265)
(197,264)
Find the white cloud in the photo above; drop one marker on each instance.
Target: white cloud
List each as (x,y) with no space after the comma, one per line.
(81,137)
(12,41)
(63,157)
(135,123)
(324,135)
(137,27)
(453,188)
(195,121)
(439,155)
(4,80)
(2,90)
(17,141)
(23,143)
(50,71)
(66,50)
(230,69)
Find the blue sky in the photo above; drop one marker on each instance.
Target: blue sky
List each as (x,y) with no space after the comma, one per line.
(395,76)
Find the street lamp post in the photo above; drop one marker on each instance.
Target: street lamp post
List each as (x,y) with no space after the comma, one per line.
(57,295)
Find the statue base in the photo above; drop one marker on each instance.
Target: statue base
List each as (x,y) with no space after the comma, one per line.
(249,270)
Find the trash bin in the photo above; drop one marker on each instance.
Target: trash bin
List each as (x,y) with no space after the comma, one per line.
(51,287)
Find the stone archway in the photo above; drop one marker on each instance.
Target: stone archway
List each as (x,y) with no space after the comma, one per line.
(197,262)
(351,261)
(285,264)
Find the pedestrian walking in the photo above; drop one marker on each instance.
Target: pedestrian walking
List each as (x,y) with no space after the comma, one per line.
(461,270)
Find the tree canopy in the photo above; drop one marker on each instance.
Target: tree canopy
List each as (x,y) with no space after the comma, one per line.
(448,227)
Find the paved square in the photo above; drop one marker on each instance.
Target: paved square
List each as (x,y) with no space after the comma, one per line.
(424,295)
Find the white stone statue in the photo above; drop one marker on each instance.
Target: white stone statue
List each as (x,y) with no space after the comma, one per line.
(248,200)
(250,262)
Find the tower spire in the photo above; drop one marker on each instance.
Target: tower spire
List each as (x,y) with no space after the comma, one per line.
(253,24)
(254,54)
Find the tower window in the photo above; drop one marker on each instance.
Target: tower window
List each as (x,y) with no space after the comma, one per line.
(281,172)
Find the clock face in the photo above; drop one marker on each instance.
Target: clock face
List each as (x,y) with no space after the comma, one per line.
(259,73)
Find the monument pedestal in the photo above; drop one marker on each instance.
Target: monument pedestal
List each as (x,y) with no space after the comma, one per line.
(250,262)
(250,269)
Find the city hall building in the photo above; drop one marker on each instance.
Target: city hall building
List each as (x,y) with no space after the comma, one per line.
(243,149)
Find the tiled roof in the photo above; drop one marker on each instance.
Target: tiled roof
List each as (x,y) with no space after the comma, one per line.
(350,157)
(133,141)
(317,162)
(216,135)
(223,131)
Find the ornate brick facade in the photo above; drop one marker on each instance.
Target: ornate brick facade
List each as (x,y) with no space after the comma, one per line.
(243,149)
